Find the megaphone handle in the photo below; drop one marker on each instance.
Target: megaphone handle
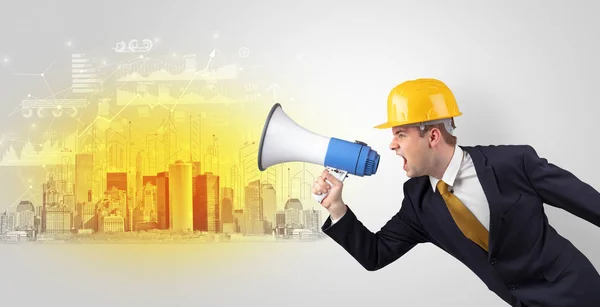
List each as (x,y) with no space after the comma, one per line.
(337,173)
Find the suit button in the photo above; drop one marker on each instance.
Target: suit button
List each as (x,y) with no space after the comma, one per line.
(512,287)
(493,261)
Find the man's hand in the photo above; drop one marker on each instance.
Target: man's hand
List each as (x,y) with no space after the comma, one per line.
(333,201)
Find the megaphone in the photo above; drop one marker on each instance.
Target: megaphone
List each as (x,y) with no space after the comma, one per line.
(283,140)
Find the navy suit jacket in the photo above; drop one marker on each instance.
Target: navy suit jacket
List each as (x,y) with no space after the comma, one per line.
(528,263)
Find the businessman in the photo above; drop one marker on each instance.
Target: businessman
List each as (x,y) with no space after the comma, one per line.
(481,204)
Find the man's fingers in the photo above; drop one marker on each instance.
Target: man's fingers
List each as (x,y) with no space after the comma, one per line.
(322,183)
(320,186)
(336,182)
(316,190)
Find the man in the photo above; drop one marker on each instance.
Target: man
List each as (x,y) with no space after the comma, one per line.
(481,204)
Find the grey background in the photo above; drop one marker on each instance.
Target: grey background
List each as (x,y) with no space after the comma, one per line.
(524,72)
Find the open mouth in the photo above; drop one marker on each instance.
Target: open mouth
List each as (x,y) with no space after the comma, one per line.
(405,162)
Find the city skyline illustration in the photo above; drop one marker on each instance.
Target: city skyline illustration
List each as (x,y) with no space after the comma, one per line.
(142,140)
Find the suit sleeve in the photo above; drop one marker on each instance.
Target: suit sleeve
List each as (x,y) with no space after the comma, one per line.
(376,250)
(560,188)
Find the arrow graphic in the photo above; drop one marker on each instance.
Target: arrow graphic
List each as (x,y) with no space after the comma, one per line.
(273,87)
(211,57)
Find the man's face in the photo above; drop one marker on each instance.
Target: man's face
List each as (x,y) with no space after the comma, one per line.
(407,143)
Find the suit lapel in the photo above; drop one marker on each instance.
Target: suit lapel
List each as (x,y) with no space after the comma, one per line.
(487,177)
(437,208)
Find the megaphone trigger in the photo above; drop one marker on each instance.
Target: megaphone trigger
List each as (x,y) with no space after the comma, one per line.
(338,174)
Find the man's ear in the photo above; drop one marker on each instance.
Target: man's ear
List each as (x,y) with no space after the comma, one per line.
(435,136)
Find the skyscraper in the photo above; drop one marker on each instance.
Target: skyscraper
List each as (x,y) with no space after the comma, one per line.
(162,200)
(227,205)
(207,215)
(269,202)
(180,196)
(84,173)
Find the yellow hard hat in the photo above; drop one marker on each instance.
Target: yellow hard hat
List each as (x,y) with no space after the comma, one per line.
(419,101)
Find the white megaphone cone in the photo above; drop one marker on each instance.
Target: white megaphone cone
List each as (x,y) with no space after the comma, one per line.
(283,140)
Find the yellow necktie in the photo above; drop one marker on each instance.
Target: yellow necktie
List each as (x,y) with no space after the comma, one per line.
(465,220)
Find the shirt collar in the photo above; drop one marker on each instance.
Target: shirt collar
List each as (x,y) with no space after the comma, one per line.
(452,169)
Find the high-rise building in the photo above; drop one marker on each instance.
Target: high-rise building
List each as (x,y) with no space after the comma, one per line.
(227,206)
(280,219)
(253,206)
(253,209)
(84,173)
(212,203)
(269,202)
(207,215)
(25,205)
(25,220)
(239,221)
(87,216)
(149,202)
(117,180)
(162,200)
(180,196)
(312,220)
(139,183)
(200,203)
(8,222)
(58,219)
(280,224)
(294,216)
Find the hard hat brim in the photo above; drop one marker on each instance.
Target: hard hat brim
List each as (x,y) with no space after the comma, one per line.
(386,125)
(392,124)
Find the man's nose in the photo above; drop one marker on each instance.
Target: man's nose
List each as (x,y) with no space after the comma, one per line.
(394,145)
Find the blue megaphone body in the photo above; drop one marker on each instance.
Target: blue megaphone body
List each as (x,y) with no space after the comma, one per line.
(283,140)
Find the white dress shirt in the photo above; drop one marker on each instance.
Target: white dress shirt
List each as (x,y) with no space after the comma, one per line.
(462,180)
